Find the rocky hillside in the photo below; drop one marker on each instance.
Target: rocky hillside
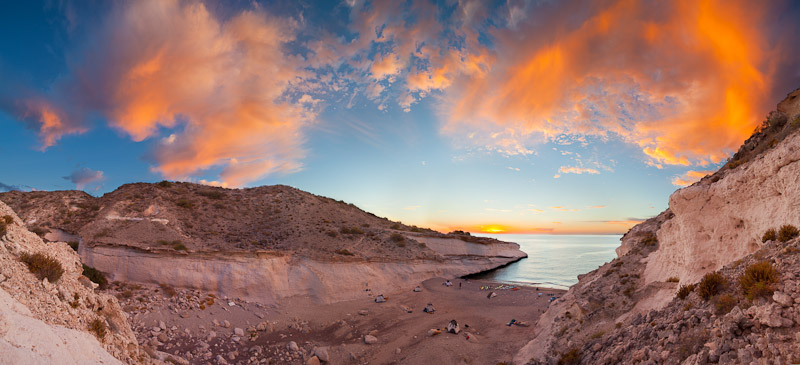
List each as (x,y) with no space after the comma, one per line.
(627,311)
(262,244)
(49,312)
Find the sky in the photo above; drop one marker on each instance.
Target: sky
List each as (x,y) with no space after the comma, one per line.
(562,117)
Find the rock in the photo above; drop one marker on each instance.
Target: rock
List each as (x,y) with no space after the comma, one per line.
(363,312)
(322,354)
(370,339)
(471,337)
(162,325)
(596,347)
(433,332)
(397,351)
(238,331)
(292,346)
(783,299)
(221,360)
(163,337)
(226,324)
(313,360)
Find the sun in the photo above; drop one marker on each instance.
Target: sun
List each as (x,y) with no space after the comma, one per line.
(494,228)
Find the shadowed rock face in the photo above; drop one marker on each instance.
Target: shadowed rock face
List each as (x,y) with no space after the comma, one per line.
(263,243)
(626,310)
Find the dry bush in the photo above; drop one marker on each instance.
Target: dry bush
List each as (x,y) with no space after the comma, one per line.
(711,284)
(397,237)
(758,279)
(725,303)
(673,279)
(787,232)
(168,290)
(685,290)
(184,203)
(351,230)
(8,219)
(98,327)
(571,357)
(95,276)
(650,240)
(43,266)
(344,251)
(3,228)
(769,235)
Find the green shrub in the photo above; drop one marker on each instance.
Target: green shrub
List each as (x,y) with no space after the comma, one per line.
(397,237)
(96,276)
(673,279)
(73,245)
(711,284)
(787,232)
(43,266)
(725,303)
(98,327)
(769,235)
(758,279)
(184,203)
(571,357)
(684,291)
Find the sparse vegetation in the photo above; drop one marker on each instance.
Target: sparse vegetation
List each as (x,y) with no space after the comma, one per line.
(725,303)
(628,291)
(571,357)
(179,247)
(596,335)
(184,203)
(213,194)
(344,251)
(460,233)
(711,284)
(164,184)
(168,290)
(39,231)
(98,327)
(769,235)
(684,291)
(3,228)
(758,279)
(351,230)
(650,240)
(43,266)
(787,232)
(73,245)
(332,233)
(395,226)
(397,237)
(96,276)
(673,279)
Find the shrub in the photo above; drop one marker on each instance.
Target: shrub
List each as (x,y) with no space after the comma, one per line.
(758,279)
(214,194)
(8,219)
(96,276)
(332,233)
(2,228)
(43,266)
(673,279)
(397,237)
(344,251)
(725,303)
(179,246)
(787,232)
(164,184)
(98,327)
(628,291)
(685,290)
(168,290)
(571,357)
(351,230)
(39,231)
(711,284)
(769,235)
(73,245)
(650,240)
(184,203)
(596,335)
(395,226)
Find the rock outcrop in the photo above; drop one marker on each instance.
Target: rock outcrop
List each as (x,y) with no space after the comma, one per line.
(626,310)
(43,322)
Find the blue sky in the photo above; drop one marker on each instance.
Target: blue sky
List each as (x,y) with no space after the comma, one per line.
(524,117)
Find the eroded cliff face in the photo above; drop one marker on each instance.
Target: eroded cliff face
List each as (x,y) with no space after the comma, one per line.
(626,311)
(43,322)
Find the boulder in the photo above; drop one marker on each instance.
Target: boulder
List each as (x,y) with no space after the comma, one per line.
(370,339)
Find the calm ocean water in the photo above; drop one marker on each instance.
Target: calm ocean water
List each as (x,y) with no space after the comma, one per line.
(554,260)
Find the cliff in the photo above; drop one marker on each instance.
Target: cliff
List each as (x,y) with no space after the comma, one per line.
(627,310)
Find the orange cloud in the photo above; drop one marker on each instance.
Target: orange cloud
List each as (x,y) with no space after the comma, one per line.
(52,122)
(684,80)
(221,84)
(690,177)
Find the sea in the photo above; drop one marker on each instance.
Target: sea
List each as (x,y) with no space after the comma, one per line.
(554,261)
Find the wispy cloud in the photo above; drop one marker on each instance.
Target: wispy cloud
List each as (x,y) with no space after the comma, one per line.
(690,177)
(513,168)
(85,176)
(596,207)
(564,209)
(577,170)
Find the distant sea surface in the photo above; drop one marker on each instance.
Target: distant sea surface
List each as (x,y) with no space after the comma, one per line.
(554,261)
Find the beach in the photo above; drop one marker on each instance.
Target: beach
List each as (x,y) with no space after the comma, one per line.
(236,331)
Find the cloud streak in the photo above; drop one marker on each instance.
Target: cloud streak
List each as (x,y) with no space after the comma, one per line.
(84,176)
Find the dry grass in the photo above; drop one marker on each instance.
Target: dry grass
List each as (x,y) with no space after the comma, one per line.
(95,276)
(758,279)
(711,284)
(769,235)
(787,232)
(673,279)
(98,327)
(43,266)
(725,303)
(684,291)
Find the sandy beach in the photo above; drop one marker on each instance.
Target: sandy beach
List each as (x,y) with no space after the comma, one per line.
(234,331)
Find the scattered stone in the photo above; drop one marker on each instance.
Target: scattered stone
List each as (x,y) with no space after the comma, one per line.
(238,331)
(370,339)
(226,324)
(363,312)
(292,346)
(313,360)
(322,354)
